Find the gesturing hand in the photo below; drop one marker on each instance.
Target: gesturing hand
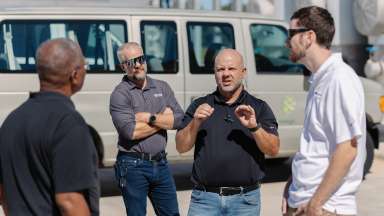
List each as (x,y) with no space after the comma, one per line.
(246,115)
(203,112)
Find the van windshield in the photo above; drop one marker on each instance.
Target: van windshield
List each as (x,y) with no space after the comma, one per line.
(99,41)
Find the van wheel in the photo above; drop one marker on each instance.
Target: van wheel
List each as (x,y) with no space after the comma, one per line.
(370,146)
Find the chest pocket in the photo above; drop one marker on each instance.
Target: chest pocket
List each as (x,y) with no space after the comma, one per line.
(159,102)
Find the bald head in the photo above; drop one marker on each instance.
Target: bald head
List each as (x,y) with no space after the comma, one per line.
(56,60)
(229,54)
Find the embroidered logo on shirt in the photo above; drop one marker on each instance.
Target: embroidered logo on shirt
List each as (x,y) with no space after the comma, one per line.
(158,95)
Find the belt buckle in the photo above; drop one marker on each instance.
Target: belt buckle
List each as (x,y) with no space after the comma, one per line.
(221,191)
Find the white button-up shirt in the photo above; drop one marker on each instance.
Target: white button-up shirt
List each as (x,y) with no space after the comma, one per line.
(334,113)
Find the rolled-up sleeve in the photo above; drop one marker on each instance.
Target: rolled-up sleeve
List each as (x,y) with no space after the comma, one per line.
(121,110)
(172,103)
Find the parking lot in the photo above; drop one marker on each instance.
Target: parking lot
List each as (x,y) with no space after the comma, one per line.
(370,197)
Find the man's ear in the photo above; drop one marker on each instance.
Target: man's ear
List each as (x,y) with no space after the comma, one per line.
(74,78)
(245,71)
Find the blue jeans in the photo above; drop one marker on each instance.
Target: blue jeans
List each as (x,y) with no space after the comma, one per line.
(212,204)
(139,178)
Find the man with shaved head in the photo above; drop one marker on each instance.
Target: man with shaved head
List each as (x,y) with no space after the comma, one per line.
(48,162)
(231,131)
(142,109)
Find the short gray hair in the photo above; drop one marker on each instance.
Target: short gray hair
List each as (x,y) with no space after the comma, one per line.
(126,46)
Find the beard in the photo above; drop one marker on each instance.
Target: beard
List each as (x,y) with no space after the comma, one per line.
(296,56)
(139,77)
(231,88)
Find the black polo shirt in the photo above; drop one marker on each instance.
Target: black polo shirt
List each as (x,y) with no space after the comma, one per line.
(46,148)
(226,153)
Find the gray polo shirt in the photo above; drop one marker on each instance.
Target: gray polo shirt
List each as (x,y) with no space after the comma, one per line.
(127,99)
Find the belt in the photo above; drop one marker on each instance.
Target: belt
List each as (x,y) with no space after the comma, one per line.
(227,191)
(145,156)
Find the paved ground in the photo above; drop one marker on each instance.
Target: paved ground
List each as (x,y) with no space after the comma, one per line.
(370,196)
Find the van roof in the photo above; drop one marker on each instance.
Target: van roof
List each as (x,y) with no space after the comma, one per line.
(119,9)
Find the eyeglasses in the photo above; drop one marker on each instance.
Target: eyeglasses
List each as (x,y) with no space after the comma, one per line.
(132,62)
(293,32)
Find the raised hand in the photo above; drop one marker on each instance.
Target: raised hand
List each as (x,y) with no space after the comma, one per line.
(203,112)
(246,115)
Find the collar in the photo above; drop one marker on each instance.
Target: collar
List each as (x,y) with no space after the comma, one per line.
(334,57)
(150,83)
(220,99)
(50,95)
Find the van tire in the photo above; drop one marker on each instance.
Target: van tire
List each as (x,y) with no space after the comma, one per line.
(370,146)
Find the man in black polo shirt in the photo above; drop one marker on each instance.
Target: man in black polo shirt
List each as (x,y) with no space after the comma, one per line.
(48,162)
(231,131)
(142,109)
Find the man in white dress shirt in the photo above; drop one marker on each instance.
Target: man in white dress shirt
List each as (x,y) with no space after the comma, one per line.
(328,168)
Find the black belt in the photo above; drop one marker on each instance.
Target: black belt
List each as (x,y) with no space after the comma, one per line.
(228,191)
(146,156)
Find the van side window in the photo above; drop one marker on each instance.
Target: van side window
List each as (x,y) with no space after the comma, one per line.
(159,40)
(99,41)
(205,40)
(271,54)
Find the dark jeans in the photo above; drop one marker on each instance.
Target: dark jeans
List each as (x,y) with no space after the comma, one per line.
(138,178)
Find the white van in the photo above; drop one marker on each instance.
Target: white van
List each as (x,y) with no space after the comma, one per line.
(180,46)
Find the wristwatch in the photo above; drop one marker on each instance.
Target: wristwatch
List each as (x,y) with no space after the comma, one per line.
(152,120)
(254,129)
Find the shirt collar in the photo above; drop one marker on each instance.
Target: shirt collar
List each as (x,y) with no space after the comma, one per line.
(324,67)
(50,95)
(221,100)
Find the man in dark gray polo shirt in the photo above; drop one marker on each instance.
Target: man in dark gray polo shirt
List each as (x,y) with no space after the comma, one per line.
(48,161)
(142,109)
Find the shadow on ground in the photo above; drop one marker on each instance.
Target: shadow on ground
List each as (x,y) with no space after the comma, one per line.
(276,170)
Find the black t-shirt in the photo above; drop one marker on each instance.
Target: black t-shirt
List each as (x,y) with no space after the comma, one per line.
(226,153)
(46,148)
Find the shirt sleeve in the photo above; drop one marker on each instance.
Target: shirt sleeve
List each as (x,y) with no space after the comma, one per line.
(188,116)
(74,158)
(174,105)
(267,119)
(123,116)
(344,110)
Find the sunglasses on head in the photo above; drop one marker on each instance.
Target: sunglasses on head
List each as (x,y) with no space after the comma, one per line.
(132,62)
(293,32)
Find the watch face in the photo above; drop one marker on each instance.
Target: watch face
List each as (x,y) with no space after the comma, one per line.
(152,119)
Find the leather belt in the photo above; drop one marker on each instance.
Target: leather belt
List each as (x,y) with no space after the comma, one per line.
(145,156)
(228,191)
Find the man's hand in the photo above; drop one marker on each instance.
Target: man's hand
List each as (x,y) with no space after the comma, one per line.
(167,110)
(314,209)
(301,210)
(142,117)
(203,112)
(246,115)
(284,202)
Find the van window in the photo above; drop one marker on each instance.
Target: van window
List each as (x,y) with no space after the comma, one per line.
(271,54)
(159,39)
(99,41)
(205,40)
